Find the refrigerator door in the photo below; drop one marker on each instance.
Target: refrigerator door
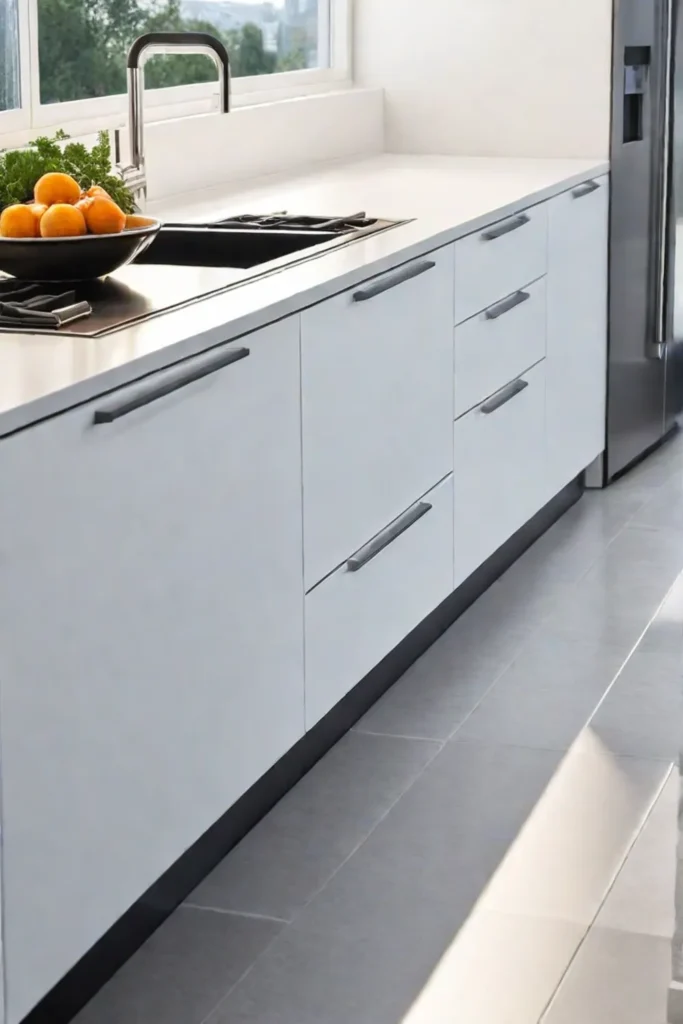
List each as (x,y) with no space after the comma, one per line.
(672,302)
(637,371)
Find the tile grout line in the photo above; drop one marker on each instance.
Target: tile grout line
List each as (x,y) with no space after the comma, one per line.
(265,950)
(632,651)
(238,913)
(610,887)
(396,736)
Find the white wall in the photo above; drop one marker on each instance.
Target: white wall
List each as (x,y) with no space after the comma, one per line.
(489,77)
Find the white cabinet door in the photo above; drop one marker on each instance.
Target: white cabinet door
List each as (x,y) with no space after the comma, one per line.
(151,637)
(576,365)
(377,373)
(499,469)
(363,610)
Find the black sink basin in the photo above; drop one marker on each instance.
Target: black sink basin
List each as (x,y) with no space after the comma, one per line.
(217,247)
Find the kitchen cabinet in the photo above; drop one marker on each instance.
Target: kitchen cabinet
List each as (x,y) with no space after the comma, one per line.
(576,370)
(198,566)
(499,469)
(151,636)
(359,613)
(377,394)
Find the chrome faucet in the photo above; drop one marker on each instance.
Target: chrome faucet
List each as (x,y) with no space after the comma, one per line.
(145,46)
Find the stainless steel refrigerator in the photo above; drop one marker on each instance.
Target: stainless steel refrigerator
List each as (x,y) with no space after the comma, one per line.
(645,376)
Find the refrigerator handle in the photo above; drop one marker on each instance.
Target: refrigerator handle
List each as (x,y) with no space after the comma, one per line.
(657,348)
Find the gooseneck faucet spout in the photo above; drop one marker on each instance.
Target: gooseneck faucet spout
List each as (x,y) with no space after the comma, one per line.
(146,46)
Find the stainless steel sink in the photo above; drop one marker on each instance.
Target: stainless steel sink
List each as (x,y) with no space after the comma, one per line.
(251,241)
(244,249)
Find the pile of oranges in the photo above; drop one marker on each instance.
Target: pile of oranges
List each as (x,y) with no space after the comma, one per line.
(60,209)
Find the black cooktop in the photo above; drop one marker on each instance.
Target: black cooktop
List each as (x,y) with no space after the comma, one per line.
(93,308)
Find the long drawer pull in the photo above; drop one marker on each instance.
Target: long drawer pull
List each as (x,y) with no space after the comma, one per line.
(585,190)
(505,228)
(493,312)
(504,396)
(406,274)
(387,536)
(109,413)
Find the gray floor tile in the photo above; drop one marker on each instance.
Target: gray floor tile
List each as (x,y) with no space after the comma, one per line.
(659,469)
(664,510)
(299,845)
(616,978)
(439,691)
(583,533)
(183,971)
(642,897)
(526,956)
(364,948)
(546,696)
(442,688)
(642,713)
(617,599)
(573,846)
(665,632)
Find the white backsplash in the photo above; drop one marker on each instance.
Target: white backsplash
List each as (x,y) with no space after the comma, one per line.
(193,153)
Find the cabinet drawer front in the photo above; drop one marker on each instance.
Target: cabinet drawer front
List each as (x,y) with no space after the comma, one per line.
(494,347)
(498,260)
(499,459)
(377,394)
(357,615)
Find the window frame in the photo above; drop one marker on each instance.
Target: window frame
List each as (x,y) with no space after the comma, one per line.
(19,119)
(85,116)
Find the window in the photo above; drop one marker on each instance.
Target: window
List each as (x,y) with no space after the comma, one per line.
(10,83)
(64,61)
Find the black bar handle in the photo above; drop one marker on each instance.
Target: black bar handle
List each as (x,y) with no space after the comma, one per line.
(172,383)
(504,396)
(505,228)
(406,274)
(493,312)
(585,190)
(387,536)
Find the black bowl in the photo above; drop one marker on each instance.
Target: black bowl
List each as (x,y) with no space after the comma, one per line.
(78,258)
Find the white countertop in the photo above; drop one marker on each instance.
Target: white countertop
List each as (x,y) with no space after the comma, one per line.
(445,198)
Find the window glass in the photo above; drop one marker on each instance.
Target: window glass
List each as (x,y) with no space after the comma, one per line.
(10,91)
(83,43)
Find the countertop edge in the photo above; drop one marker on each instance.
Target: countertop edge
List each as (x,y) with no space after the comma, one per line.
(53,403)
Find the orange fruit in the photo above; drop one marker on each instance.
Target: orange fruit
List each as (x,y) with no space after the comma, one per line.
(61,221)
(83,204)
(137,220)
(55,187)
(37,209)
(95,190)
(102,215)
(17,222)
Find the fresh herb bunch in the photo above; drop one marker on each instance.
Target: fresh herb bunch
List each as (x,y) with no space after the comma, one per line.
(20,169)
